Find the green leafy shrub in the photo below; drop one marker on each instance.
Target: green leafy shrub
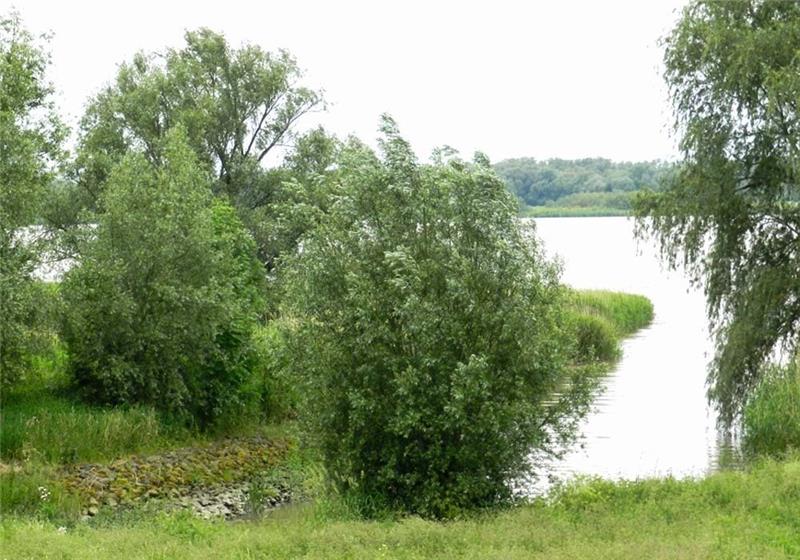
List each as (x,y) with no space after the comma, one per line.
(161,307)
(771,418)
(428,329)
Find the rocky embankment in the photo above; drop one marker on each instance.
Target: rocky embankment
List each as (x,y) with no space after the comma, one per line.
(229,478)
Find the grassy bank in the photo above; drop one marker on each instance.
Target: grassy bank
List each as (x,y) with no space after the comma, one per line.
(771,419)
(572,212)
(728,515)
(47,434)
(600,319)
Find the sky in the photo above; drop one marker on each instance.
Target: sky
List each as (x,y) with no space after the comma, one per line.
(542,79)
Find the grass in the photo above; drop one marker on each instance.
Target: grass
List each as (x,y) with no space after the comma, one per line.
(771,419)
(626,313)
(599,320)
(572,212)
(41,422)
(732,515)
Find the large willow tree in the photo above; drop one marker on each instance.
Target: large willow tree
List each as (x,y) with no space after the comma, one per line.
(732,214)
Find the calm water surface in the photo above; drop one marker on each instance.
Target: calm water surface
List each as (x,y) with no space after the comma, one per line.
(651,418)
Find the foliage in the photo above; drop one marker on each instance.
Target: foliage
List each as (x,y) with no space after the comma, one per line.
(731,215)
(617,200)
(563,182)
(238,105)
(30,138)
(162,304)
(272,381)
(771,418)
(727,515)
(279,212)
(428,327)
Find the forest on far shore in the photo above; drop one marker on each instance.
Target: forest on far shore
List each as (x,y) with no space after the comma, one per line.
(589,186)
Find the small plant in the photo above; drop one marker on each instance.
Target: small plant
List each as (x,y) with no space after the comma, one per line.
(259,493)
(771,418)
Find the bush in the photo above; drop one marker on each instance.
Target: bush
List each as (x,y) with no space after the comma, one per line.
(771,418)
(29,333)
(428,329)
(161,307)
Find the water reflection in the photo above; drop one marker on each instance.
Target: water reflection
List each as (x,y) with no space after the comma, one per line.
(652,417)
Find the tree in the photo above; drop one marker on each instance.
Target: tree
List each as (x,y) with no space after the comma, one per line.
(30,140)
(162,304)
(278,211)
(731,214)
(427,327)
(236,105)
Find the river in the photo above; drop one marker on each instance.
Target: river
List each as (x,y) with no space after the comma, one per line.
(651,417)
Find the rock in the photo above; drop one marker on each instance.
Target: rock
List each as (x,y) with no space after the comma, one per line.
(92,511)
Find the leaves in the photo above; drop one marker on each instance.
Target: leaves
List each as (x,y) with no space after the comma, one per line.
(732,213)
(30,139)
(161,306)
(427,329)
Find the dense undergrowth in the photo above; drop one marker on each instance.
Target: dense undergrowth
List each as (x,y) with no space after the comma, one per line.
(45,428)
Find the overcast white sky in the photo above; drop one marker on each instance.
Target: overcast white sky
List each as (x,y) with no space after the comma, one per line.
(543,79)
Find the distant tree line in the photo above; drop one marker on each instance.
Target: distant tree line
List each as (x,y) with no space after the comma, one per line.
(581,182)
